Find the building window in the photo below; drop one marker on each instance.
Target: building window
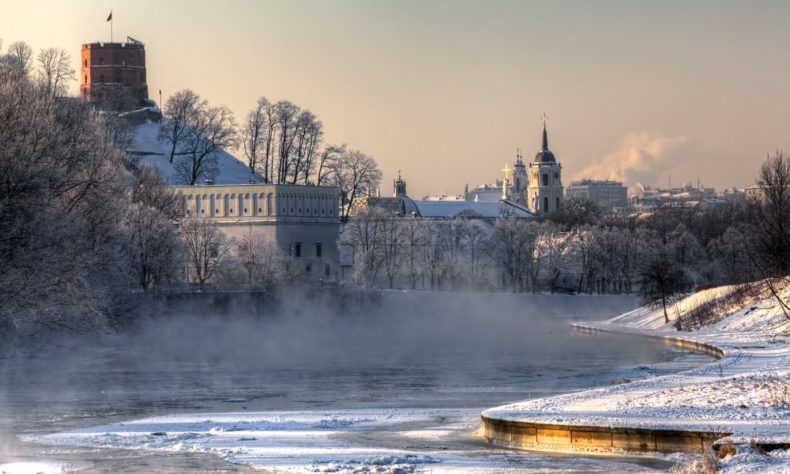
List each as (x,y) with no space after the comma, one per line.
(545,179)
(558,204)
(101,60)
(85,63)
(308,268)
(298,249)
(545,203)
(318,249)
(556,176)
(327,270)
(101,78)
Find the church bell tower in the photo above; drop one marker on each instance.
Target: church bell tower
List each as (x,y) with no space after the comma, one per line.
(545,189)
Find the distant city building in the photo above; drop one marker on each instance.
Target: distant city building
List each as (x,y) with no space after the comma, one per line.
(754,193)
(112,68)
(545,192)
(645,197)
(610,195)
(485,193)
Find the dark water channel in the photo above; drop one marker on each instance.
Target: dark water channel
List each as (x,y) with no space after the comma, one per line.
(407,350)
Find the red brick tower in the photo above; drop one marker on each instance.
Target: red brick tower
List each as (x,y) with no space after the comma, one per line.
(110,67)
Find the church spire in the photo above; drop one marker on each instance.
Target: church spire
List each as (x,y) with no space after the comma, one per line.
(545,135)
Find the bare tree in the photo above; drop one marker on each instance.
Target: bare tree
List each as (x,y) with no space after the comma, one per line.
(254,136)
(356,174)
(391,253)
(20,57)
(54,68)
(213,130)
(285,114)
(206,247)
(553,244)
(180,110)
(475,240)
(771,225)
(661,281)
(328,155)
(413,236)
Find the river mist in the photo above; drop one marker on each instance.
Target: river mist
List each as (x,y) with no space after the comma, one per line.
(303,352)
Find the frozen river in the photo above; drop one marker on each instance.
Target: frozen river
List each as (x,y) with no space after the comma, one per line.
(393,386)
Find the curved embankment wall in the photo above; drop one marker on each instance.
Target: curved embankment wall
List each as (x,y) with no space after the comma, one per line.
(553,437)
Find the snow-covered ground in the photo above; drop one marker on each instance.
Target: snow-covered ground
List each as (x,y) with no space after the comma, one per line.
(746,393)
(146,146)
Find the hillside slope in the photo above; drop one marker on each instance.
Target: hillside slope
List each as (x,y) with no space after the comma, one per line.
(146,149)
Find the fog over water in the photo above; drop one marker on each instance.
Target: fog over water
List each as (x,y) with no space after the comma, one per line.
(398,350)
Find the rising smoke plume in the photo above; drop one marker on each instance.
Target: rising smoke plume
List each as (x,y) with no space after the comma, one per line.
(640,157)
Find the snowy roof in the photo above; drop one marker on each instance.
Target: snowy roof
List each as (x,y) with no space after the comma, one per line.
(150,151)
(450,209)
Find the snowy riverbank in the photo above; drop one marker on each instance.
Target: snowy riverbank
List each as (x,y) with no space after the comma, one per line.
(745,393)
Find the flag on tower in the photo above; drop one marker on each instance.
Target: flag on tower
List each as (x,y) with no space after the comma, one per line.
(109,18)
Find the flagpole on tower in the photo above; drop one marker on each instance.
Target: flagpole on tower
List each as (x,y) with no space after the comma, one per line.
(109,18)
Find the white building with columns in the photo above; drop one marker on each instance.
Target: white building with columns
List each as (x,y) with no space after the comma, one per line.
(303,221)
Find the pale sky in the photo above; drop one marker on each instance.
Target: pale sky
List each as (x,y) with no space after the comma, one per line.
(447,90)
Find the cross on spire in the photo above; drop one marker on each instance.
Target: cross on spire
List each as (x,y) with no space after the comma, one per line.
(507,172)
(545,119)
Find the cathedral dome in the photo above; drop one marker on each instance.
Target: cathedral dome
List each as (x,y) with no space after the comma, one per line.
(545,156)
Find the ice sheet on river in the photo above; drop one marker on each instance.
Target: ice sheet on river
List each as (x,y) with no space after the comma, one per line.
(390,440)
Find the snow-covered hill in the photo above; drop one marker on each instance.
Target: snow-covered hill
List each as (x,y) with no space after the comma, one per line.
(148,150)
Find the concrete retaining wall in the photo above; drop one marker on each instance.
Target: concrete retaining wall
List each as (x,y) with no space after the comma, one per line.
(550,437)
(700,347)
(539,436)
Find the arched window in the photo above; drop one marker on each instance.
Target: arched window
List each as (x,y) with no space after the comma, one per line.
(545,203)
(545,179)
(85,63)
(558,204)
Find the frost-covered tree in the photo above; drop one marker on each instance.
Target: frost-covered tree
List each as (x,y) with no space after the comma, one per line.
(151,220)
(61,194)
(206,248)
(363,234)
(262,262)
(513,245)
(356,174)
